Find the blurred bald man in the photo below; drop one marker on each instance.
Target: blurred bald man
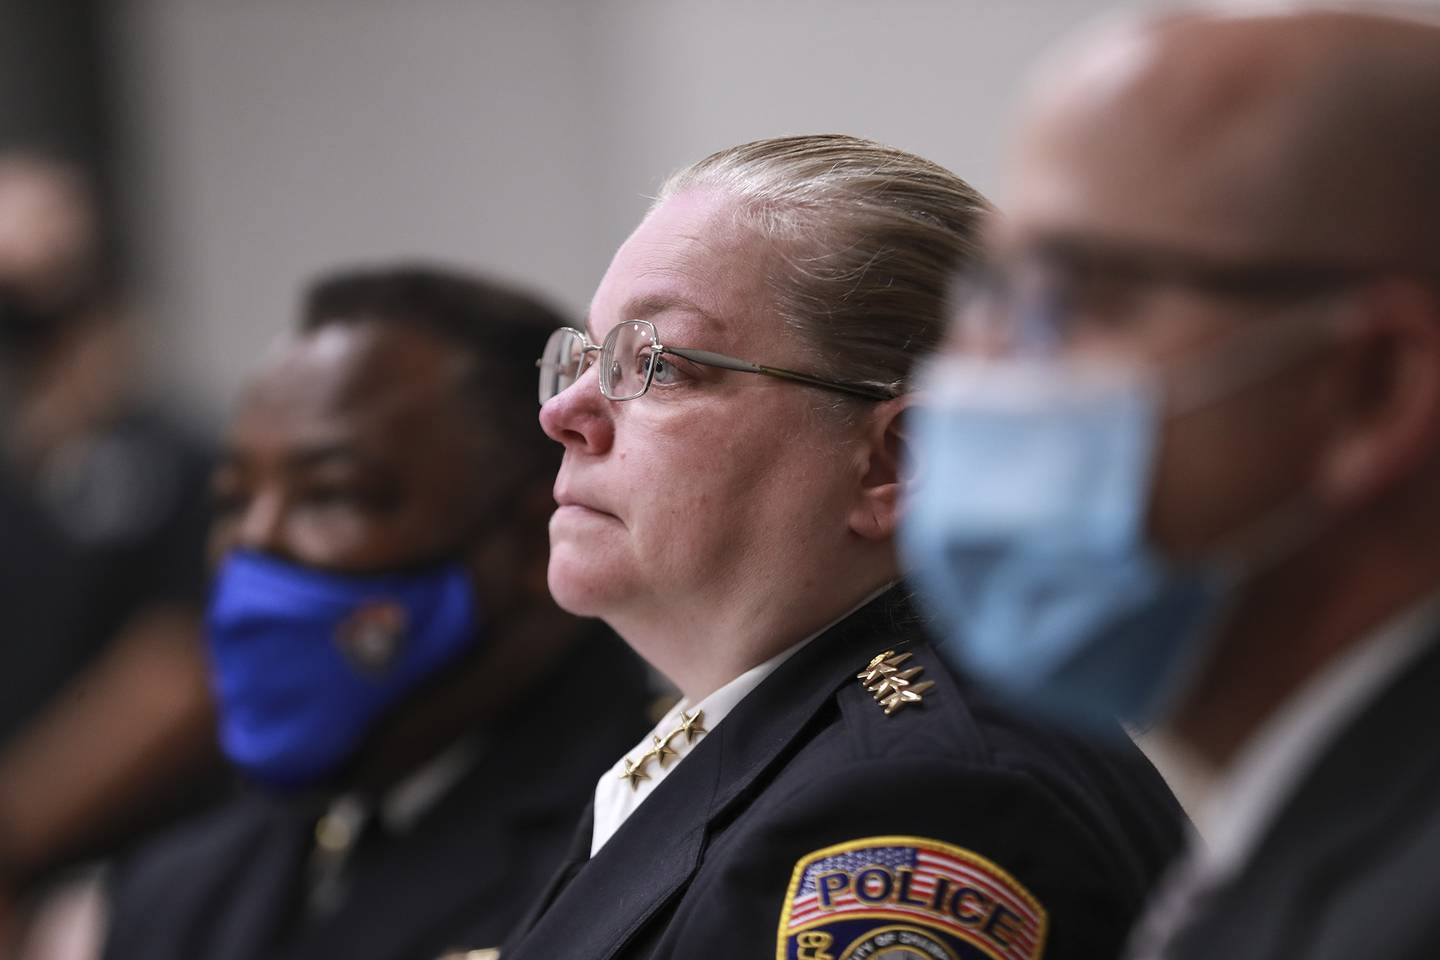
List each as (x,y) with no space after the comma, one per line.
(1224,258)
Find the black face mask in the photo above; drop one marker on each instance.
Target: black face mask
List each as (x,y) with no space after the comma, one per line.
(24,327)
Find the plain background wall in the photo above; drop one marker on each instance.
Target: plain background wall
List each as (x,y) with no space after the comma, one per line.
(270,139)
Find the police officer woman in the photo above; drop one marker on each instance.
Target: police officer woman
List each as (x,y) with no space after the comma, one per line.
(731,418)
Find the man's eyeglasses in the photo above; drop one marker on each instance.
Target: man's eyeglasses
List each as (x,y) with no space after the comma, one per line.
(1039,293)
(632,353)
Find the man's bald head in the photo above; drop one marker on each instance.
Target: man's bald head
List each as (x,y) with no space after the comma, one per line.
(1308,135)
(1244,210)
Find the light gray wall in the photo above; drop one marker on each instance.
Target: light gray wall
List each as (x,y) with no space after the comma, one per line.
(270,139)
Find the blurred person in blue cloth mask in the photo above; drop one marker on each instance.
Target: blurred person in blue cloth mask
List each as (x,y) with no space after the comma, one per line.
(731,418)
(418,723)
(1181,465)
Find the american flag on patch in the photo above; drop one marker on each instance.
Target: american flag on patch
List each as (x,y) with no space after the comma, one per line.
(931,869)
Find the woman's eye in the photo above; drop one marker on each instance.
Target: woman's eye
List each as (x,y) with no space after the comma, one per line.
(665,371)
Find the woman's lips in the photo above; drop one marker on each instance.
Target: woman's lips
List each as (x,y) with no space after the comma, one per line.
(567,504)
(577,509)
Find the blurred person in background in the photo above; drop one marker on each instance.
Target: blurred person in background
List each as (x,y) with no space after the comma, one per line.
(419,724)
(1196,409)
(105,719)
(731,418)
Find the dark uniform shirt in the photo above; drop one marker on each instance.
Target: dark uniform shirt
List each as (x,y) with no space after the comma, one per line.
(114,523)
(813,825)
(241,883)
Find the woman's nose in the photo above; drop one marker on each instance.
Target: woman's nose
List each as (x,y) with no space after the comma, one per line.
(579,416)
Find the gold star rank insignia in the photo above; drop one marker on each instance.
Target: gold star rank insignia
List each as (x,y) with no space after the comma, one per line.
(906,696)
(893,688)
(880,666)
(662,750)
(634,772)
(893,683)
(690,726)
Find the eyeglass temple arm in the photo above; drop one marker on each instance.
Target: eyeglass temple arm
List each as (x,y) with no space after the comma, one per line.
(745,366)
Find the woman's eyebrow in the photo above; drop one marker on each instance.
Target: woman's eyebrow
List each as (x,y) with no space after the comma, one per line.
(646,306)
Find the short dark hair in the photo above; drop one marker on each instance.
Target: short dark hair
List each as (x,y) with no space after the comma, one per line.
(501,329)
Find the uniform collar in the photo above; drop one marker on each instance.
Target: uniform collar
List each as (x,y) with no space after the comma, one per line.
(653,854)
(617,797)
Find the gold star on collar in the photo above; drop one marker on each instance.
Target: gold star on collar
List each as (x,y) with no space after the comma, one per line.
(662,751)
(881,666)
(906,696)
(635,772)
(892,687)
(893,683)
(690,726)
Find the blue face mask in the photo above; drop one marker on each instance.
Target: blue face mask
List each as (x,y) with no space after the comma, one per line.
(304,663)
(1025,536)
(1024,530)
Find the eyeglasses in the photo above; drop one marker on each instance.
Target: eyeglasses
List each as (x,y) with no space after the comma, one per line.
(1038,294)
(632,354)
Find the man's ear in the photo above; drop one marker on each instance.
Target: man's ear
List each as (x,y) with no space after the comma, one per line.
(882,465)
(1386,396)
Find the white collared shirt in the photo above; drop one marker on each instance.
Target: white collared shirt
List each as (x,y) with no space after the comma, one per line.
(1249,793)
(616,798)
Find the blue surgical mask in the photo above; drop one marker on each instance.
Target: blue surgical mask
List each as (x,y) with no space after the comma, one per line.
(1025,537)
(305,663)
(1025,529)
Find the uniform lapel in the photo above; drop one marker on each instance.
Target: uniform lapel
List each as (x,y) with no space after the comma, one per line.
(754,737)
(575,858)
(594,909)
(651,858)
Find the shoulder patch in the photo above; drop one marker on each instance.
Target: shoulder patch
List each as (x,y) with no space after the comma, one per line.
(907,898)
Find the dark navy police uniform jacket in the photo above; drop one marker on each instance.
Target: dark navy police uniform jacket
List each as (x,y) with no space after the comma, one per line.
(812,825)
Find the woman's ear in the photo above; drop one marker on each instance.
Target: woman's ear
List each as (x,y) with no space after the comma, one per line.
(883,465)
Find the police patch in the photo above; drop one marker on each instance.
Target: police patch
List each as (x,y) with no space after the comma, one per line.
(907,898)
